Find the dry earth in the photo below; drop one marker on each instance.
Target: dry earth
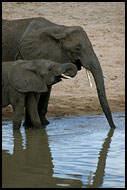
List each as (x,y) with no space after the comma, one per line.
(104,23)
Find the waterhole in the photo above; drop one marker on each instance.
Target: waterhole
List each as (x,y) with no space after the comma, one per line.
(72,152)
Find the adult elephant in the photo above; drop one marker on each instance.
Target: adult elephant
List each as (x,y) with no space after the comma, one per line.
(38,38)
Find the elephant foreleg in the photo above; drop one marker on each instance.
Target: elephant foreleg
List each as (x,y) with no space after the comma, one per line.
(18,108)
(43,106)
(32,108)
(28,122)
(42,109)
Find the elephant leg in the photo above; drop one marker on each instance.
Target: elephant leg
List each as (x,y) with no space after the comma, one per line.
(32,108)
(42,109)
(43,106)
(27,120)
(18,108)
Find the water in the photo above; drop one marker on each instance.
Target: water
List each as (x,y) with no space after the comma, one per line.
(72,152)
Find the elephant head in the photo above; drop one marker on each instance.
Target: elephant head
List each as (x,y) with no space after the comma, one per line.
(37,75)
(66,44)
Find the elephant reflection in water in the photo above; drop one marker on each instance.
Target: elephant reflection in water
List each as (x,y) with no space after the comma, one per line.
(33,167)
(99,174)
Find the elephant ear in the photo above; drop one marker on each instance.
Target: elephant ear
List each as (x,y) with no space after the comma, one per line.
(30,47)
(67,32)
(36,45)
(69,37)
(24,78)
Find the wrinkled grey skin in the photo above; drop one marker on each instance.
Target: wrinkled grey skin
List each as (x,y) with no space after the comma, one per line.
(37,38)
(24,80)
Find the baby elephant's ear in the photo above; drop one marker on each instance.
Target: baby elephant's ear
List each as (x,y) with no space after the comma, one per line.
(23,77)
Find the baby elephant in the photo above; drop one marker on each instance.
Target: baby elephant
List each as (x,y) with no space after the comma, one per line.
(24,80)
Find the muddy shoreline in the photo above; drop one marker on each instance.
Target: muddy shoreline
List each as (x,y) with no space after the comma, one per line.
(69,109)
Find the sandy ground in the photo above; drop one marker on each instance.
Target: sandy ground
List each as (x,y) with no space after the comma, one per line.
(104,23)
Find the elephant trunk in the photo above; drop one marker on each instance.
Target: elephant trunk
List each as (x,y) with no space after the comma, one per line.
(68,69)
(99,81)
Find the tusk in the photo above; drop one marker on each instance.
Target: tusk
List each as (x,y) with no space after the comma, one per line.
(65,76)
(89,79)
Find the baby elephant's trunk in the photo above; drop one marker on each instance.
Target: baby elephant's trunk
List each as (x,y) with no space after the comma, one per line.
(68,70)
